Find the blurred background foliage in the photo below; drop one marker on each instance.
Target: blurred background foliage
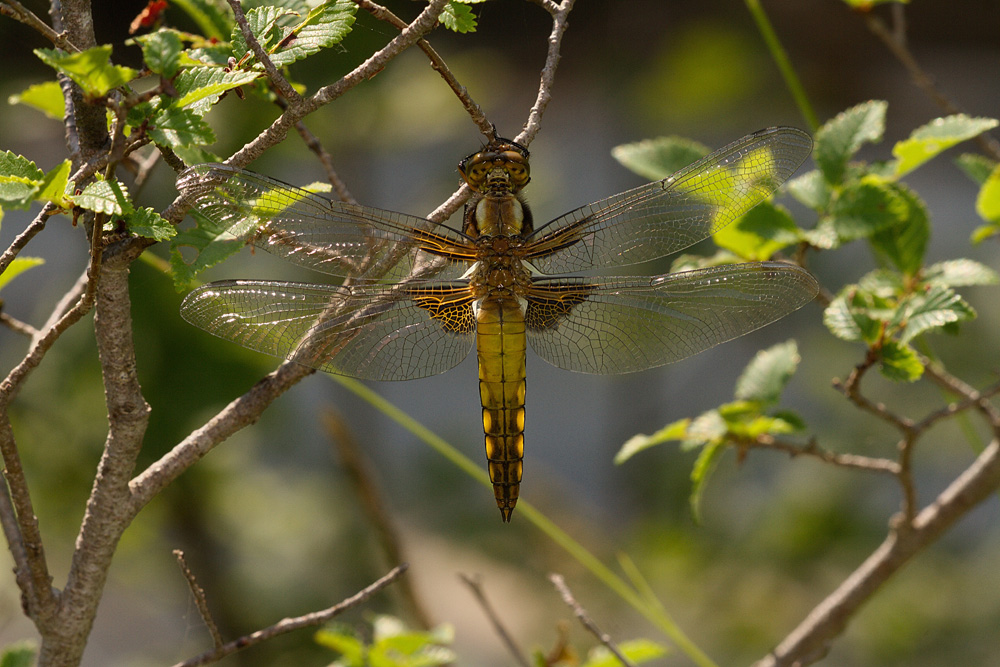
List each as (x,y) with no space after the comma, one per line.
(270,522)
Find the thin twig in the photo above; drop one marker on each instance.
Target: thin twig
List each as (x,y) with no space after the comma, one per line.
(287,625)
(276,78)
(17,325)
(475,585)
(359,470)
(276,132)
(811,638)
(560,14)
(437,62)
(200,600)
(895,41)
(19,12)
(22,239)
(851,389)
(585,620)
(856,461)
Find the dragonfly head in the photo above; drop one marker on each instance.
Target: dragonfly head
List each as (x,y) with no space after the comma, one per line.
(500,168)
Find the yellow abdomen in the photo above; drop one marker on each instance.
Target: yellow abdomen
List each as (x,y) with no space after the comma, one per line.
(500,344)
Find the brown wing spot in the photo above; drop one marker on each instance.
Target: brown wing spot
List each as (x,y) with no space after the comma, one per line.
(451,307)
(547,305)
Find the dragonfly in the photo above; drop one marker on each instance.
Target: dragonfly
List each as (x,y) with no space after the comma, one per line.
(416,297)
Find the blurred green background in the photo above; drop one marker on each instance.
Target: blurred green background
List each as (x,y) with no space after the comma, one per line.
(271,523)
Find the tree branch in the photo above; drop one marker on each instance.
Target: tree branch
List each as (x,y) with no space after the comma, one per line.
(811,639)
(289,624)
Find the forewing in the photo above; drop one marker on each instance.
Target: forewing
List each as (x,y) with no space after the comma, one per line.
(660,218)
(334,237)
(372,332)
(620,325)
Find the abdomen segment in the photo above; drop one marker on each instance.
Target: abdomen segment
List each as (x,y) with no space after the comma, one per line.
(500,344)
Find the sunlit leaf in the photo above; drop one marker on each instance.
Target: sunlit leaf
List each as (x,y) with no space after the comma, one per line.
(46,97)
(936,137)
(54,184)
(210,244)
(658,158)
(766,375)
(959,273)
(988,201)
(934,309)
(147,223)
(905,244)
(636,651)
(865,207)
(180,127)
(200,87)
(810,189)
(18,654)
(458,17)
(703,468)
(161,51)
(900,362)
(840,138)
(324,26)
(637,443)
(759,234)
(17,266)
(100,197)
(213,17)
(976,166)
(20,179)
(857,315)
(91,69)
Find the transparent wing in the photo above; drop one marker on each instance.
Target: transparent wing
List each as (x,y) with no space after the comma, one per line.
(330,236)
(620,325)
(373,332)
(660,218)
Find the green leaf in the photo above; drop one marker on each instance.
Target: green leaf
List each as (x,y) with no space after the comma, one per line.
(960,273)
(100,197)
(213,17)
(19,654)
(658,158)
(263,23)
(810,189)
(162,51)
(899,362)
(20,179)
(840,138)
(933,309)
(200,87)
(988,201)
(864,207)
(637,443)
(324,26)
(147,223)
(760,233)
(54,185)
(766,375)
(174,127)
(46,97)
(636,651)
(936,137)
(905,244)
(91,69)
(703,468)
(17,266)
(977,167)
(212,244)
(707,427)
(857,315)
(458,17)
